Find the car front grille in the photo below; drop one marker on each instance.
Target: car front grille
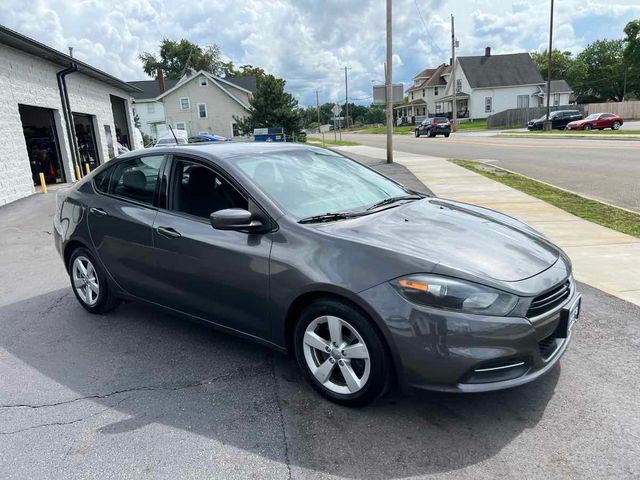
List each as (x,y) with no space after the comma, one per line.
(550,299)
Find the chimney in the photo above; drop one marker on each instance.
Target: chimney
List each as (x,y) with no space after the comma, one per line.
(487,52)
(71,52)
(160,78)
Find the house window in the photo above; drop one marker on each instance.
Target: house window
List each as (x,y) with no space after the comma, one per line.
(435,91)
(234,129)
(488,104)
(202,110)
(556,99)
(411,95)
(458,86)
(423,92)
(523,101)
(184,103)
(181,126)
(151,108)
(203,81)
(438,107)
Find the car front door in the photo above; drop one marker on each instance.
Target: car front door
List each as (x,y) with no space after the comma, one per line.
(221,276)
(120,220)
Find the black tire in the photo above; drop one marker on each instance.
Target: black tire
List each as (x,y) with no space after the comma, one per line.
(417,133)
(616,125)
(379,377)
(106,300)
(587,127)
(431,134)
(446,135)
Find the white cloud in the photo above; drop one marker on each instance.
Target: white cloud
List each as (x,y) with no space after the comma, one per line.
(309,42)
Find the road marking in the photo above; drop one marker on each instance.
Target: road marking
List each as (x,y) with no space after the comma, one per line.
(555,145)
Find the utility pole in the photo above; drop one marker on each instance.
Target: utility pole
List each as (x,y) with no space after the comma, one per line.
(454,104)
(346,95)
(547,123)
(389,81)
(318,108)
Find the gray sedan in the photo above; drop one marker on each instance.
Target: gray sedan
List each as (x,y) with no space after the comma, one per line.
(369,285)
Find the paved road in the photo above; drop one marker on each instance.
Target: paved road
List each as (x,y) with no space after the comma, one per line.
(604,170)
(141,394)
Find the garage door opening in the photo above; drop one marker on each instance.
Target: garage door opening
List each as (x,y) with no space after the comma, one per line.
(119,108)
(86,136)
(40,134)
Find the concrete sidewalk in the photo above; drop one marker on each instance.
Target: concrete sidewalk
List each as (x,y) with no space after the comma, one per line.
(603,258)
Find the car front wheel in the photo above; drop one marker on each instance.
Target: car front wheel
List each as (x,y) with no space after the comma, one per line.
(341,353)
(417,133)
(89,283)
(587,127)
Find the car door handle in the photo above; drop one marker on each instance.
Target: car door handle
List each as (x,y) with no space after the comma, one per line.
(97,211)
(168,232)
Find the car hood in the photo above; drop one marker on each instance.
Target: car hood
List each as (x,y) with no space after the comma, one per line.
(454,236)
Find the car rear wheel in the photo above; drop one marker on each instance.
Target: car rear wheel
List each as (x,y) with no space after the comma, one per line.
(446,135)
(341,354)
(432,134)
(587,127)
(616,125)
(89,283)
(417,133)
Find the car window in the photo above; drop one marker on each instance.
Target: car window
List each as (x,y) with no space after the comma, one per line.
(441,120)
(200,191)
(101,180)
(308,182)
(607,115)
(136,179)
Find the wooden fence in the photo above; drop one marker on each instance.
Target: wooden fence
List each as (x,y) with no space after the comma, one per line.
(627,110)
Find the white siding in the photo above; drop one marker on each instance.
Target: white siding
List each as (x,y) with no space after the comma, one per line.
(147,120)
(503,98)
(30,80)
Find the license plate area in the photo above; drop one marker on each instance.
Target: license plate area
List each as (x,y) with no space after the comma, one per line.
(568,317)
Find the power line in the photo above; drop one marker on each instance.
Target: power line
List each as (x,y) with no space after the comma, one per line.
(426,27)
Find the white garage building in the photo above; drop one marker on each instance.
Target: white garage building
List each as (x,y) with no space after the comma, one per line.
(46,99)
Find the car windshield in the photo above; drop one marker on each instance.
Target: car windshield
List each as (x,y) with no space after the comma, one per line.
(310,182)
(593,116)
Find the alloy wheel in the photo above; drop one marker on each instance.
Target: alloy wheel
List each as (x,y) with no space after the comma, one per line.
(331,342)
(85,280)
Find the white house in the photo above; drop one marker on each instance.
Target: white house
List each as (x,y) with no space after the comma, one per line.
(485,85)
(58,115)
(203,103)
(149,110)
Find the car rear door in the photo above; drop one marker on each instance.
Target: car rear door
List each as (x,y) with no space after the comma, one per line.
(120,221)
(218,275)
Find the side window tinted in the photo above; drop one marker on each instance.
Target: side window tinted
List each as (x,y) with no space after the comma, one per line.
(200,191)
(101,180)
(136,179)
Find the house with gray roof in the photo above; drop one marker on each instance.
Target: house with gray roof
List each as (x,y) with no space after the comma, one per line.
(485,85)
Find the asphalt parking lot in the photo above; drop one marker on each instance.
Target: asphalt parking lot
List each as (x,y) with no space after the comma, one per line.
(141,394)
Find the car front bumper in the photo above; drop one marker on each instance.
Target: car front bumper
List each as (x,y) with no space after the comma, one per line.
(457,352)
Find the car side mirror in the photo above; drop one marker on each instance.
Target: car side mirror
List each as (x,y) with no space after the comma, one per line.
(235,219)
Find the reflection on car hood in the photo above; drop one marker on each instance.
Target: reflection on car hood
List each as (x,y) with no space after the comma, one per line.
(462,237)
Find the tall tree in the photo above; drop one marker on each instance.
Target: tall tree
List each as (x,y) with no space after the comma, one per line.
(271,106)
(176,56)
(632,58)
(561,63)
(600,71)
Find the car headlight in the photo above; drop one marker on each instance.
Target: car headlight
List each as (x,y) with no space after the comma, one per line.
(451,294)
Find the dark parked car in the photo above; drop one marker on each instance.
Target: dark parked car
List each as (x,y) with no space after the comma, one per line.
(598,121)
(434,126)
(559,119)
(367,283)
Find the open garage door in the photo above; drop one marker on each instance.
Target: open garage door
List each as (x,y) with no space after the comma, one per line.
(86,135)
(42,144)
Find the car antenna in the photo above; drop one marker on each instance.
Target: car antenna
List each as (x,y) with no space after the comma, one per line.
(174,134)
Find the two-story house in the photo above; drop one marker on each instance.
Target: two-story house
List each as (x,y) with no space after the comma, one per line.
(203,103)
(150,111)
(484,85)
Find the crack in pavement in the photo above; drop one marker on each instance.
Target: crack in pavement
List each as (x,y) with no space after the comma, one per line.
(243,372)
(70,422)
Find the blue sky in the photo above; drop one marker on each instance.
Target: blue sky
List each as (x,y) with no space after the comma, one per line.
(308,42)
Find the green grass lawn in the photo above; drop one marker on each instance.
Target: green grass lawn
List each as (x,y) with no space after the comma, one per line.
(336,143)
(591,210)
(476,125)
(409,129)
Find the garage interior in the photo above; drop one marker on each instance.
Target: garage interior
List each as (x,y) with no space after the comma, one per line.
(42,144)
(86,138)
(119,108)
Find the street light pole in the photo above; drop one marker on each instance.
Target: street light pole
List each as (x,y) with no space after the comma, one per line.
(547,124)
(389,80)
(318,107)
(454,105)
(346,95)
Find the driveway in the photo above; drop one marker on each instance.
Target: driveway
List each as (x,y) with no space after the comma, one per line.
(141,394)
(600,169)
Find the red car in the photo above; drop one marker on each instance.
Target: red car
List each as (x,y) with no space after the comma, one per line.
(597,120)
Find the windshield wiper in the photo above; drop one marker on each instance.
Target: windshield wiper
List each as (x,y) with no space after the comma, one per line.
(390,200)
(329,217)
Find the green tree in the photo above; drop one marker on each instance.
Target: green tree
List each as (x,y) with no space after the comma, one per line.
(376,114)
(561,63)
(271,106)
(599,71)
(176,56)
(632,58)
